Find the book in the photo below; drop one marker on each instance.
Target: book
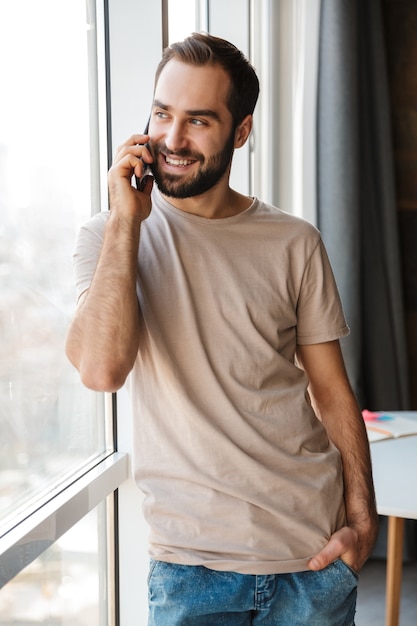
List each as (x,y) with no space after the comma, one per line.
(386,425)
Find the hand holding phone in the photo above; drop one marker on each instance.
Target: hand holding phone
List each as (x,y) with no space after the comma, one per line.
(131,160)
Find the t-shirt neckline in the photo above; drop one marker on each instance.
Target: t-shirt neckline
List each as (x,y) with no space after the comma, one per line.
(167,206)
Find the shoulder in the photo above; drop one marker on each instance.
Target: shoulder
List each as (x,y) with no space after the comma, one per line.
(291,228)
(94,227)
(282,217)
(97,220)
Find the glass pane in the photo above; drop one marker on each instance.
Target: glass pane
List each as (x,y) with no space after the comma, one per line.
(49,424)
(62,587)
(181,19)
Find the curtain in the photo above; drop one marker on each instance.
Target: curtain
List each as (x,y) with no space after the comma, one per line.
(356,209)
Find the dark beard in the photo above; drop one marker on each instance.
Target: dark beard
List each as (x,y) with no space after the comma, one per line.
(207,177)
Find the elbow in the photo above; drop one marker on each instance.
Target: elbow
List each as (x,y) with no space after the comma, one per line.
(105,377)
(101,381)
(97,374)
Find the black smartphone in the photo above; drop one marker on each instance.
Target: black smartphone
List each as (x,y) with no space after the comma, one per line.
(140,182)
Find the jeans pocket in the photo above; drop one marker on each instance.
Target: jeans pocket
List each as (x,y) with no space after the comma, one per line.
(351,570)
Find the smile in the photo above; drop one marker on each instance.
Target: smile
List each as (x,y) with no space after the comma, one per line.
(178,162)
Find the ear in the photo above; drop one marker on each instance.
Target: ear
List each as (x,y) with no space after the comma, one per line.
(243,131)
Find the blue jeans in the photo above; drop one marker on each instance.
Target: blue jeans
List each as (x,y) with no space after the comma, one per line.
(183,595)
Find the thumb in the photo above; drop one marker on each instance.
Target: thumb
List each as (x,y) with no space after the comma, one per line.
(323,558)
(146,184)
(340,543)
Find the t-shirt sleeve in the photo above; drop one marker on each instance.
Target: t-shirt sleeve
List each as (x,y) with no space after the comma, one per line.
(320,314)
(87,251)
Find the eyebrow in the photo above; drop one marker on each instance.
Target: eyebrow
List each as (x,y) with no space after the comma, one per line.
(191,112)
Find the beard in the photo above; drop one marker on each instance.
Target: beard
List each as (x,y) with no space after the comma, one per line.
(211,170)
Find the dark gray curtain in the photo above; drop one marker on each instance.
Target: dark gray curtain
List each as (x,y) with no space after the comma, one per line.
(356,198)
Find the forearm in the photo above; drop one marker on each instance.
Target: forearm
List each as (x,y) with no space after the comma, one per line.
(336,406)
(103,338)
(346,429)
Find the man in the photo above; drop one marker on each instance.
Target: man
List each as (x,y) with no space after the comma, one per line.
(222,314)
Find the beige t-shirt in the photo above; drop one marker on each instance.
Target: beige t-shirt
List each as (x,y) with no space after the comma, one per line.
(237,471)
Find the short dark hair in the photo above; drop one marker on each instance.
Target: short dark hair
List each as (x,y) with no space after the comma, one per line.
(203,49)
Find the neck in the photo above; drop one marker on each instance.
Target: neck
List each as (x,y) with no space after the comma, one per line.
(217,203)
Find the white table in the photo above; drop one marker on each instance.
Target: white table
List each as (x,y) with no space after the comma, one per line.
(395,475)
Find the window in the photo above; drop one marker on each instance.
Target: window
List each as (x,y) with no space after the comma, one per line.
(65,584)
(182,19)
(57,460)
(50,426)
(285,54)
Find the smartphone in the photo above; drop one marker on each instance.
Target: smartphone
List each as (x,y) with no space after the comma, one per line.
(140,182)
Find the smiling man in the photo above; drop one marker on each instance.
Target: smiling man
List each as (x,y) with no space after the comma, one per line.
(192,147)
(221,315)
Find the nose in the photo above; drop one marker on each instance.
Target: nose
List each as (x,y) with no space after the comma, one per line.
(175,137)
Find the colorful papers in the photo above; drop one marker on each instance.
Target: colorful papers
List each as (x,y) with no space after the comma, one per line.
(381,425)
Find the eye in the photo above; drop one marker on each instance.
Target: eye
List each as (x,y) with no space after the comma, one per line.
(161,115)
(197,122)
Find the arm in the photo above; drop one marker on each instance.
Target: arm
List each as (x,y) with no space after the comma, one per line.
(335,405)
(103,338)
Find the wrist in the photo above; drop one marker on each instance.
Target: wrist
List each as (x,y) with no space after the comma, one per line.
(123,223)
(127,202)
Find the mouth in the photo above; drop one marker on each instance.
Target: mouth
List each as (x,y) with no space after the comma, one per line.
(177,162)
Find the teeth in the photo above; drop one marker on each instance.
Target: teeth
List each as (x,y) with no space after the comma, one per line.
(177,161)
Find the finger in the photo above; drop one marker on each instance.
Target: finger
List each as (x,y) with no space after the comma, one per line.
(141,171)
(136,149)
(323,558)
(340,544)
(141,152)
(134,140)
(147,184)
(120,174)
(134,161)
(126,165)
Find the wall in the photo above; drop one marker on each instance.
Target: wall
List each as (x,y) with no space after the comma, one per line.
(400,22)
